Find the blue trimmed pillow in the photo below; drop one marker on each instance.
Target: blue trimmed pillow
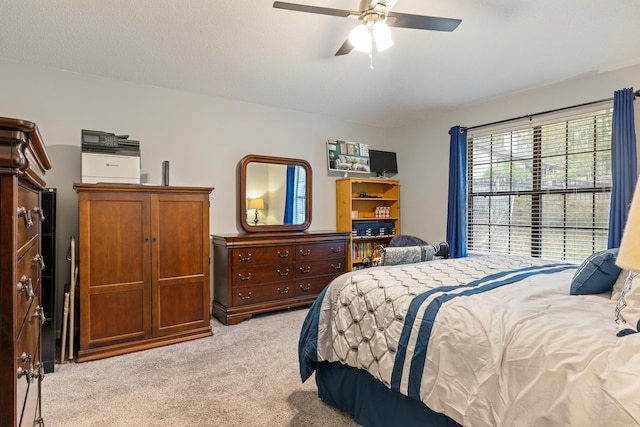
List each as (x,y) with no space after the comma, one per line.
(596,274)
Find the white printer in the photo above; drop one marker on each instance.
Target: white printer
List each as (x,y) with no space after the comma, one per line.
(107,157)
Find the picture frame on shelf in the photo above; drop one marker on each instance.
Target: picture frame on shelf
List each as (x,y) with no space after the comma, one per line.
(348,157)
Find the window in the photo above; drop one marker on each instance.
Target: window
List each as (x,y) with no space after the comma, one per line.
(300,196)
(541,188)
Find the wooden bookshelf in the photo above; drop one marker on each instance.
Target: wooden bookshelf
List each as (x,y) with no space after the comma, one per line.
(356,203)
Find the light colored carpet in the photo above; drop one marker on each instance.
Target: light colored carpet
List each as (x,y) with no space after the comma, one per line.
(244,375)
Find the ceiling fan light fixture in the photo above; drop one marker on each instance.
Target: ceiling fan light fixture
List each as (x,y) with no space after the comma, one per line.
(372,29)
(382,36)
(360,38)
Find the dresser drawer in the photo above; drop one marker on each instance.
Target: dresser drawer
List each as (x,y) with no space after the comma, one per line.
(27,216)
(261,255)
(317,251)
(246,295)
(263,274)
(318,268)
(29,337)
(28,276)
(29,367)
(313,286)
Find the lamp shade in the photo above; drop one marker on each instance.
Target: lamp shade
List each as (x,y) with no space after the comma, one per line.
(256,204)
(382,36)
(629,254)
(360,38)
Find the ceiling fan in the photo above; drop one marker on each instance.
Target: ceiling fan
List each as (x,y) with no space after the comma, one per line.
(375,18)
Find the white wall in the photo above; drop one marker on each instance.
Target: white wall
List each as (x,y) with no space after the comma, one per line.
(203,137)
(423,147)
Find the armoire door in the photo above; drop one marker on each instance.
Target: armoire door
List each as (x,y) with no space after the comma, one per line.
(180,262)
(114,268)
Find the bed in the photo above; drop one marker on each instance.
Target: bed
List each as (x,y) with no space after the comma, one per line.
(478,341)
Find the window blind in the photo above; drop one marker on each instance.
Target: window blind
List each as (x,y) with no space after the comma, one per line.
(541,187)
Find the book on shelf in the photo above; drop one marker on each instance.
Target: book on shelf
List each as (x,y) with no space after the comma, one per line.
(364,252)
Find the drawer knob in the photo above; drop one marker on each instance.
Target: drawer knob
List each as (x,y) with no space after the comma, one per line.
(305,271)
(25,285)
(244,297)
(305,253)
(305,287)
(336,250)
(337,266)
(283,273)
(247,277)
(39,312)
(39,259)
(25,358)
(40,212)
(283,255)
(247,258)
(29,373)
(286,291)
(23,212)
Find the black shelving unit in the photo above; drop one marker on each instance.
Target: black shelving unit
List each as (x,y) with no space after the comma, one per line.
(48,200)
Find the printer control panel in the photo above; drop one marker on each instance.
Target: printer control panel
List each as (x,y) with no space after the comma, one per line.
(99,139)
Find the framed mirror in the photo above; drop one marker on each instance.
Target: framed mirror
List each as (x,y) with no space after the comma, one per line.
(274,194)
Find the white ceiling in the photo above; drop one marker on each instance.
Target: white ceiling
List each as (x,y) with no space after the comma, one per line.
(247,50)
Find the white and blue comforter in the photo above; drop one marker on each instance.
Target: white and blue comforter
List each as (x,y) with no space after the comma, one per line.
(488,341)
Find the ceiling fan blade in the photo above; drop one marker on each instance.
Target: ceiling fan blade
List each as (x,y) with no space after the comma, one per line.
(345,48)
(419,22)
(313,9)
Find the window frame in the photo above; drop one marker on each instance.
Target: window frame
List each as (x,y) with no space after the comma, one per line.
(601,115)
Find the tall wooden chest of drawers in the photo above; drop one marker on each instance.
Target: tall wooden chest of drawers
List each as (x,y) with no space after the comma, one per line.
(23,162)
(261,272)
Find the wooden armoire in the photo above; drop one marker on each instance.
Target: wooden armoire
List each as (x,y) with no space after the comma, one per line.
(23,163)
(144,267)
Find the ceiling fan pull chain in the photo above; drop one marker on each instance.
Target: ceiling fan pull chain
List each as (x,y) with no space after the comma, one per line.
(371,56)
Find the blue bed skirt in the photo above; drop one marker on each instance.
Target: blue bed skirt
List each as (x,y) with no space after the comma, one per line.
(371,403)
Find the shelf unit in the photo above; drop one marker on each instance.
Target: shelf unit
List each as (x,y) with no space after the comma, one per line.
(356,203)
(48,198)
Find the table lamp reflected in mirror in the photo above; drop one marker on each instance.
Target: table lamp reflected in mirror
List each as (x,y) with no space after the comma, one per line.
(255,204)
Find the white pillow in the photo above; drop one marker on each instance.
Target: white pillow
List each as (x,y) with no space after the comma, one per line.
(619,284)
(628,308)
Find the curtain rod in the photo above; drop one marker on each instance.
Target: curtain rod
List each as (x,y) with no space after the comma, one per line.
(530,116)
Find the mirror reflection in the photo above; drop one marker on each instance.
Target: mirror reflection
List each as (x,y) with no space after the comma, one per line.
(275,193)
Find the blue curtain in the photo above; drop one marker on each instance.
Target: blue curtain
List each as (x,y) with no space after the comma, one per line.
(457,205)
(289,204)
(623,164)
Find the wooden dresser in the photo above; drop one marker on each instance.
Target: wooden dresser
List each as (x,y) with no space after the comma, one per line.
(23,162)
(260,272)
(144,267)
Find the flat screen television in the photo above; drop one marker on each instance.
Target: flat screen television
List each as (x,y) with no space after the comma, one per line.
(383,162)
